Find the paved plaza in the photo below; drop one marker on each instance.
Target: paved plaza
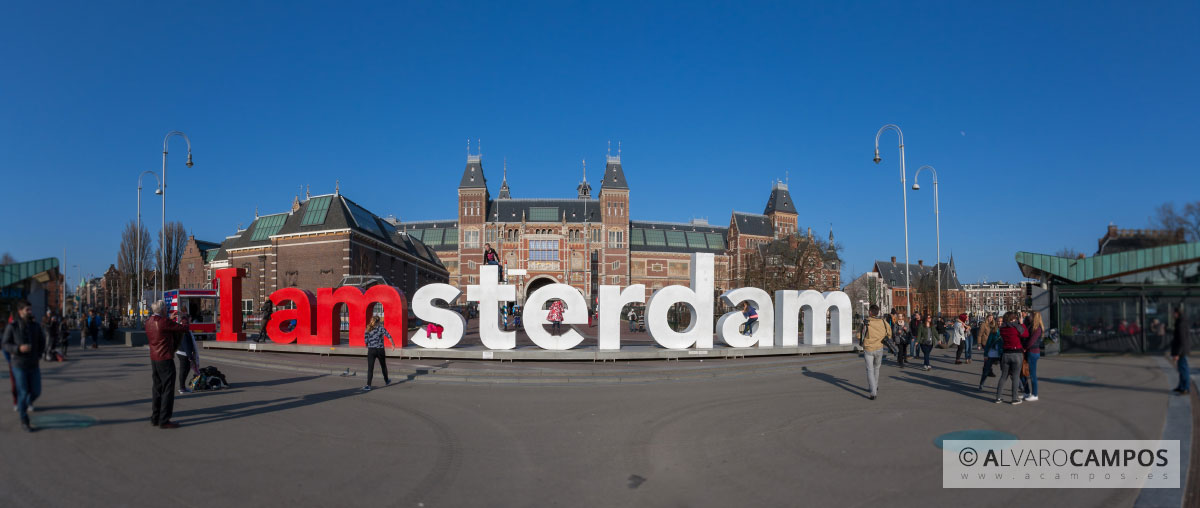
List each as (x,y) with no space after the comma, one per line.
(795,431)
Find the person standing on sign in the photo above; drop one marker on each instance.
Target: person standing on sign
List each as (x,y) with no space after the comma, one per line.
(490,257)
(164,337)
(24,341)
(873,335)
(556,316)
(374,338)
(1180,348)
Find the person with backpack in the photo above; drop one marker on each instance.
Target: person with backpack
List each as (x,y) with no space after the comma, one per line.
(875,331)
(990,333)
(189,357)
(164,336)
(374,339)
(925,340)
(24,341)
(1012,335)
(1181,347)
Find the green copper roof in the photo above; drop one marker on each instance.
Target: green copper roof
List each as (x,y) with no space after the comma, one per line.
(1097,268)
(16,272)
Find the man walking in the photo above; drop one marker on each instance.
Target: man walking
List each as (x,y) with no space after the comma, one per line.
(873,334)
(164,336)
(24,341)
(1180,348)
(92,330)
(52,331)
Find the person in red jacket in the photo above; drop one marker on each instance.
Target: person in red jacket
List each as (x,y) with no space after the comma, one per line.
(1012,335)
(164,336)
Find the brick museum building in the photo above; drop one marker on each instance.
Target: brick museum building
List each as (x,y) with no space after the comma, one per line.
(315,244)
(592,239)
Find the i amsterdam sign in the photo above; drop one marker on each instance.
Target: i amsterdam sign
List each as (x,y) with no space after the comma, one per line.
(318,323)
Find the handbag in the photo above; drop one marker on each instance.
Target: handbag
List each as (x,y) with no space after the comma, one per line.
(1025,369)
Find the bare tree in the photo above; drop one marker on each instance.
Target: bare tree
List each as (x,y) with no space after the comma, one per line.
(1067,252)
(1186,218)
(171,247)
(128,255)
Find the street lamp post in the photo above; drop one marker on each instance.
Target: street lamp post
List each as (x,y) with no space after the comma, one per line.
(937,220)
(162,255)
(904,193)
(138,252)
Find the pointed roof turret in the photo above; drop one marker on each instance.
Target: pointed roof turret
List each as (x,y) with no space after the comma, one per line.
(614,176)
(780,200)
(504,192)
(584,188)
(473,174)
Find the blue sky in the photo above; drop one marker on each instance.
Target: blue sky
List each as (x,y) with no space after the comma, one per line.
(1046,122)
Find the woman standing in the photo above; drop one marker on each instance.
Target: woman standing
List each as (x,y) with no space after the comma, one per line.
(556,316)
(991,349)
(958,336)
(925,339)
(1033,351)
(374,338)
(902,338)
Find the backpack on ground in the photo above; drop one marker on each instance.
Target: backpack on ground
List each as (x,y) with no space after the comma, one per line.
(213,379)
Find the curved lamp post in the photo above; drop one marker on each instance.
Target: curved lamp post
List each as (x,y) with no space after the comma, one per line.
(938,220)
(904,192)
(162,238)
(157,190)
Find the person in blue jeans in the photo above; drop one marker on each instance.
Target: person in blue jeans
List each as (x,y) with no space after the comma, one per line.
(1180,348)
(751,315)
(1033,351)
(925,339)
(25,343)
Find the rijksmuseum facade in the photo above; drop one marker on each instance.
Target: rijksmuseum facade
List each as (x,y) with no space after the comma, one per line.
(585,241)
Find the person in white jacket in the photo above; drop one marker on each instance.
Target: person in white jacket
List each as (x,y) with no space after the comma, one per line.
(958,336)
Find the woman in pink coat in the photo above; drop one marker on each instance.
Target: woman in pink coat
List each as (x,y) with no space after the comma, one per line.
(556,316)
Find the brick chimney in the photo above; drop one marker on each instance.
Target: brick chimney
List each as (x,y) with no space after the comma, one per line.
(920,262)
(794,242)
(893,260)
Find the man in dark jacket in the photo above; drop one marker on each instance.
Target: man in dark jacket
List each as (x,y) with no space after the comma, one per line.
(23,340)
(1180,348)
(1012,335)
(164,336)
(93,330)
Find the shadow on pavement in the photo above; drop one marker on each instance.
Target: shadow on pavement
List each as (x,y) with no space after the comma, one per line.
(836,381)
(921,378)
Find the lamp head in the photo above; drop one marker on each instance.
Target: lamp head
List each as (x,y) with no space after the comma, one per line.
(189,162)
(877,159)
(916,187)
(158,191)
